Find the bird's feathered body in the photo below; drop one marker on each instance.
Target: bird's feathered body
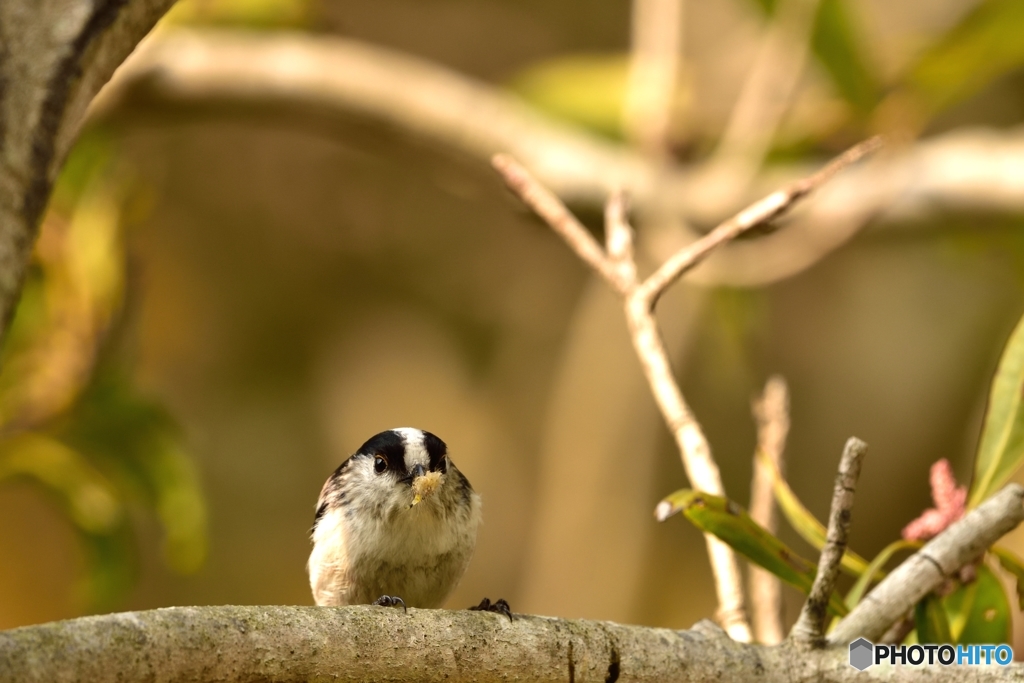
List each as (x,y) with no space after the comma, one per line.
(395,519)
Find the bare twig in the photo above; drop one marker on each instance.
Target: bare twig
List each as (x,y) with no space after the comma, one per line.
(758,213)
(619,239)
(657,30)
(700,466)
(810,626)
(693,446)
(771,411)
(926,569)
(549,207)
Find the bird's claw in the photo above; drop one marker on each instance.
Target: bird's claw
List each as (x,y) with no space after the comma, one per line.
(391,601)
(499,606)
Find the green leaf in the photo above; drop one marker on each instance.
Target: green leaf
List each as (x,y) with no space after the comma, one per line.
(803,522)
(1002,435)
(979,612)
(874,570)
(585,89)
(88,497)
(1015,566)
(91,502)
(839,48)
(984,45)
(837,45)
(731,523)
(139,444)
(930,621)
(250,14)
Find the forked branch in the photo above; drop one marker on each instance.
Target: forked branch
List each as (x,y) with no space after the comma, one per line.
(617,266)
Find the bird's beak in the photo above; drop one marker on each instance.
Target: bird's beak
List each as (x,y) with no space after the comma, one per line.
(423,483)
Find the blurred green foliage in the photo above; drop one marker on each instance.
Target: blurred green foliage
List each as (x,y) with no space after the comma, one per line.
(981,47)
(70,420)
(586,89)
(252,14)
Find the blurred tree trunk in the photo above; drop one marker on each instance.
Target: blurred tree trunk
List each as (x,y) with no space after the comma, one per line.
(54,57)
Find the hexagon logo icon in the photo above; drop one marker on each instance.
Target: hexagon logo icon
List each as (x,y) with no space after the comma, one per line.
(861,654)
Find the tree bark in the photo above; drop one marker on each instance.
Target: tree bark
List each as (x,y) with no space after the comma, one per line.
(54,57)
(285,644)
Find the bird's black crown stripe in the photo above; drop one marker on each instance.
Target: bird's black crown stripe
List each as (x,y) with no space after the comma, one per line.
(436,449)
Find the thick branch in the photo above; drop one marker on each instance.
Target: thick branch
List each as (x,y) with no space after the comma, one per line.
(54,57)
(285,644)
(924,571)
(963,170)
(810,627)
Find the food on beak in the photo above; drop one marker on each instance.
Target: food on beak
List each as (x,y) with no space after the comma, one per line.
(424,485)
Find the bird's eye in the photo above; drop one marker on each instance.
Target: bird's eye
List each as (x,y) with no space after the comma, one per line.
(442,466)
(380,463)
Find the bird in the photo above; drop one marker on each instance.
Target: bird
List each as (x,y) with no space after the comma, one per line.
(395,525)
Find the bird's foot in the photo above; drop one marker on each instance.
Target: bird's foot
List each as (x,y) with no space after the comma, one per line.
(500,606)
(390,601)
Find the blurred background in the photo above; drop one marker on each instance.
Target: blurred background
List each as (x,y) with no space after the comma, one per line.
(231,293)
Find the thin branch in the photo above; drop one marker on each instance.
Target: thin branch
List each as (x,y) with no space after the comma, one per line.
(695,451)
(810,627)
(771,412)
(925,570)
(619,240)
(549,207)
(771,207)
(620,271)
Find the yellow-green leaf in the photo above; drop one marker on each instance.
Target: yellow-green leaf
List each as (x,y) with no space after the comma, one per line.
(586,89)
(85,493)
(731,523)
(803,522)
(985,44)
(979,612)
(1002,435)
(930,621)
(839,47)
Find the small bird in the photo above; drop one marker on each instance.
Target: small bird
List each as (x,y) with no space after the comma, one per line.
(395,524)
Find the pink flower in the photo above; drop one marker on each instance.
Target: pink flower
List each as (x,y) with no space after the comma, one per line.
(950,504)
